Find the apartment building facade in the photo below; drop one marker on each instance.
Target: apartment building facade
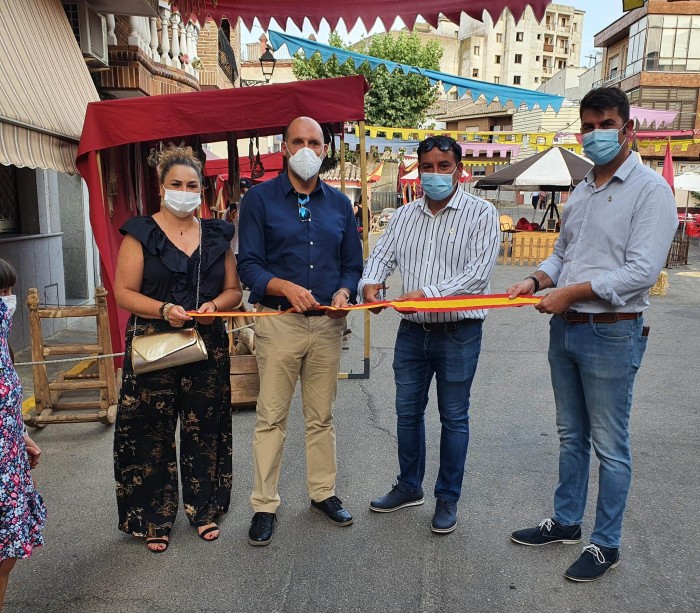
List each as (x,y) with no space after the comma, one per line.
(524,54)
(653,54)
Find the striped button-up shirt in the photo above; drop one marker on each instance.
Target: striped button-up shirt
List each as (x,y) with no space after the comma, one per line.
(616,236)
(449,254)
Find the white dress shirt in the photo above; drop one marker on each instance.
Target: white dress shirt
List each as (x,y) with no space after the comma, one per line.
(448,254)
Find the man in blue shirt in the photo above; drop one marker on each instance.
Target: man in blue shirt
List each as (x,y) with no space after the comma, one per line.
(616,231)
(298,249)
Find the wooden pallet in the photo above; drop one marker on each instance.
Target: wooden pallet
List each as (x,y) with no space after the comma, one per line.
(49,406)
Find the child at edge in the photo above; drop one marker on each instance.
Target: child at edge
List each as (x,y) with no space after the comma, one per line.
(22,511)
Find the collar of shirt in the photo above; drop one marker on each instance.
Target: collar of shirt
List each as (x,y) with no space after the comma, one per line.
(621,173)
(456,202)
(288,188)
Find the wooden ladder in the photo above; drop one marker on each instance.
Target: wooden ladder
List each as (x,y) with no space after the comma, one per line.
(49,408)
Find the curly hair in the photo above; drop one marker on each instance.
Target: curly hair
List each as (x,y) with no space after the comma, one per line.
(8,276)
(178,156)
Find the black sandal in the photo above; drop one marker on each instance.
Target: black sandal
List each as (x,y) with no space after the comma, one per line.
(157,541)
(209,530)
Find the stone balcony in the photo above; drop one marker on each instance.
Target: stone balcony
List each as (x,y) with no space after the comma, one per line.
(155,58)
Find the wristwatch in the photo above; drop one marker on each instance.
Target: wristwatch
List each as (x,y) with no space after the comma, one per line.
(534,279)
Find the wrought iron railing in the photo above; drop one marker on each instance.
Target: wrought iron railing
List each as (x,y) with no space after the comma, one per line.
(227,58)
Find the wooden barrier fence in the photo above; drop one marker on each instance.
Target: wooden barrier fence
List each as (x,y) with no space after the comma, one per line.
(527,248)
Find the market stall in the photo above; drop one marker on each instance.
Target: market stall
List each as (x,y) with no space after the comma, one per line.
(120,138)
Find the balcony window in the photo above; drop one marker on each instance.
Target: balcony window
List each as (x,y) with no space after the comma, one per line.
(635,49)
(673,43)
(518,58)
(516,80)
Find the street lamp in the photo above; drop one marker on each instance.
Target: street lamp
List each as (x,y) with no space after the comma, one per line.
(267,65)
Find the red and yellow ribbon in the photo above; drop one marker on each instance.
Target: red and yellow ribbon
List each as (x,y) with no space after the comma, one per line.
(421,305)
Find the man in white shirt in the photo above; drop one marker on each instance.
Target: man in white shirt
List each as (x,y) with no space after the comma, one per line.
(444,244)
(617,228)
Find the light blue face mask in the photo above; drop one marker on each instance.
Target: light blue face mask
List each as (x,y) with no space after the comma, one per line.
(437,186)
(601,146)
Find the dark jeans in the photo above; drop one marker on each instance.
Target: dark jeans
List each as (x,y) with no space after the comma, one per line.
(450,356)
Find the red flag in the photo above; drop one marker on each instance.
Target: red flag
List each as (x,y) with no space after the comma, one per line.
(668,168)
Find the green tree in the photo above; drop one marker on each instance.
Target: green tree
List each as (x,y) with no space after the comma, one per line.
(394,99)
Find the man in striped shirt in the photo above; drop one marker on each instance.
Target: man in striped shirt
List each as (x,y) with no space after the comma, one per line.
(443,244)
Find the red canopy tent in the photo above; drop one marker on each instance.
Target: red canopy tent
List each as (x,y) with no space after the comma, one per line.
(112,127)
(272,162)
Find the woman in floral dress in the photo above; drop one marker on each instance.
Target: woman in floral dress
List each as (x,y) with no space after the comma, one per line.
(22,511)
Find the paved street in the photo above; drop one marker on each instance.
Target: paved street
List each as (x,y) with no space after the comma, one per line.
(393,562)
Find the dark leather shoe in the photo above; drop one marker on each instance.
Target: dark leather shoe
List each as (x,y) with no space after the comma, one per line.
(445,518)
(333,509)
(594,562)
(261,529)
(398,498)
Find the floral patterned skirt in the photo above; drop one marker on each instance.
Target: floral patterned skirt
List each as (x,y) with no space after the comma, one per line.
(22,511)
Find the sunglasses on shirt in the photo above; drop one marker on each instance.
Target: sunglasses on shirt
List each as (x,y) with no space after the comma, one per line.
(304,212)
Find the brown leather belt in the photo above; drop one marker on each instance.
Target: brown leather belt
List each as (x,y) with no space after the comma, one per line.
(573,317)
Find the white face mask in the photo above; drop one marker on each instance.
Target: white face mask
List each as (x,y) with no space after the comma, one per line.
(181,203)
(10,302)
(305,163)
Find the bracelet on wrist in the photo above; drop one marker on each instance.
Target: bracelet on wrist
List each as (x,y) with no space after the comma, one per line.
(535,280)
(161,309)
(166,310)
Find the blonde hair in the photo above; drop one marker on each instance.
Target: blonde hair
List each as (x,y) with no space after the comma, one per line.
(178,156)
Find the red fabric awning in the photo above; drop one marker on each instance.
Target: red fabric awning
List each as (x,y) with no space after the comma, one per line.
(350,11)
(211,115)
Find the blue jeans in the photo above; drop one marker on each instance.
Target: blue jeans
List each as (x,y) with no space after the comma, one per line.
(452,358)
(593,368)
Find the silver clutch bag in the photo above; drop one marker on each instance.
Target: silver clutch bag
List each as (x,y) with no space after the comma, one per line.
(166,350)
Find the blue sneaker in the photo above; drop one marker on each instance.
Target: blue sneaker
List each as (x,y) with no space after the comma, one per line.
(445,518)
(399,497)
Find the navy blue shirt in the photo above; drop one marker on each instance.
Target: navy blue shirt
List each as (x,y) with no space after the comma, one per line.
(322,255)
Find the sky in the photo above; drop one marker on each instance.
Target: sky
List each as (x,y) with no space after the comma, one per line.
(599,14)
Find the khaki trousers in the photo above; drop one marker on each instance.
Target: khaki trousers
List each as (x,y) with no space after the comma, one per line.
(289,347)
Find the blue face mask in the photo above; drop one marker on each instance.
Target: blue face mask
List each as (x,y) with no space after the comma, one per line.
(437,186)
(601,146)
